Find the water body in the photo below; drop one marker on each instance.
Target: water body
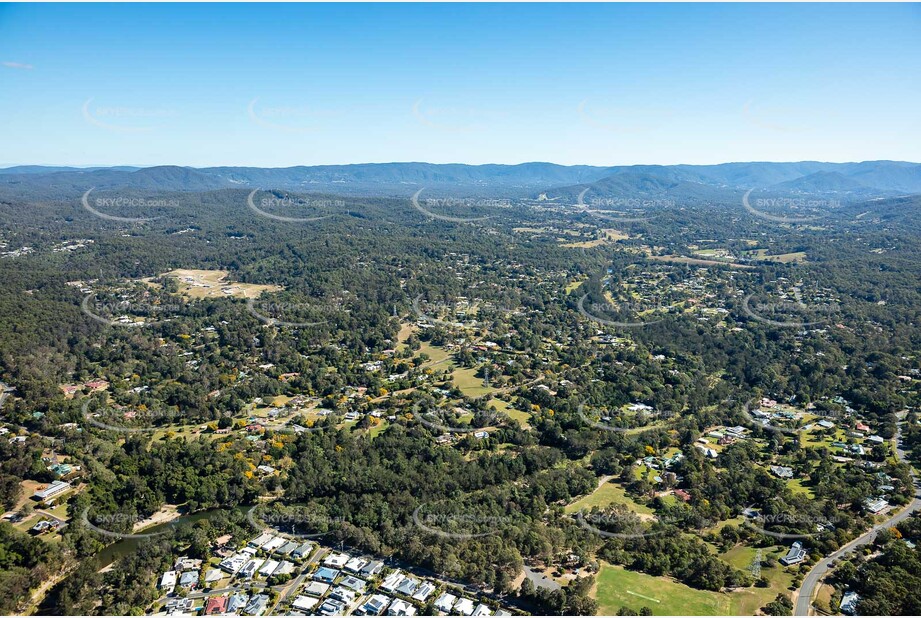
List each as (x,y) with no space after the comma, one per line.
(120,549)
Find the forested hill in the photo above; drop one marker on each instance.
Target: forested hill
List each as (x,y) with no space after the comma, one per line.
(696,182)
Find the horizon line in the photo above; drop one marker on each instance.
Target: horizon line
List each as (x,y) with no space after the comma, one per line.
(7,166)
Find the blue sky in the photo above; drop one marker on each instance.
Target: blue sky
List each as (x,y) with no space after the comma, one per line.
(280,85)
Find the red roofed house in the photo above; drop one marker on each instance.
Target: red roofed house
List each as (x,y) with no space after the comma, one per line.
(216,605)
(683,494)
(97,385)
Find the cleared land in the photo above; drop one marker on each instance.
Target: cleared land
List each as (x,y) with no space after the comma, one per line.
(213,284)
(470,384)
(606,495)
(617,587)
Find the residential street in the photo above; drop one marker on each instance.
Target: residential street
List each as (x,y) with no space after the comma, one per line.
(807,590)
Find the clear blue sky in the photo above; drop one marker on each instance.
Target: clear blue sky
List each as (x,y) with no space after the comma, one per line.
(280,85)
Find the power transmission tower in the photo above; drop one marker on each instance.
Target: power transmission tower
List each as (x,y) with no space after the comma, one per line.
(755,567)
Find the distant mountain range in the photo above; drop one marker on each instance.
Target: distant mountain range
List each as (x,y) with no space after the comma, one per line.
(845,181)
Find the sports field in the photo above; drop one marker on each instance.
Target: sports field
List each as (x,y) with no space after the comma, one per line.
(617,587)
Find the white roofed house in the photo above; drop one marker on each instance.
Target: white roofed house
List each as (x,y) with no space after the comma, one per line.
(51,492)
(408,586)
(355,565)
(424,591)
(782,472)
(400,607)
(795,554)
(261,540)
(849,602)
(189,579)
(268,567)
(464,607)
(391,582)
(375,605)
(304,604)
(445,602)
(274,543)
(168,581)
(336,560)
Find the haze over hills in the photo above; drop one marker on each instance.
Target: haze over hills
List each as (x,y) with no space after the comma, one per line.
(687,182)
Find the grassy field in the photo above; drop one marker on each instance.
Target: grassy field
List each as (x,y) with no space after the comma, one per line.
(470,384)
(213,284)
(749,600)
(607,494)
(686,260)
(797,487)
(377,429)
(436,354)
(616,587)
(784,258)
(518,415)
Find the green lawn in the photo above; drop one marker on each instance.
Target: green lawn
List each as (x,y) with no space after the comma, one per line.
(518,415)
(616,587)
(747,601)
(608,494)
(377,429)
(469,384)
(437,355)
(797,487)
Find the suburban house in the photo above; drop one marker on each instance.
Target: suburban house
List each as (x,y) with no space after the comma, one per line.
(445,602)
(424,591)
(304,604)
(849,603)
(795,555)
(375,605)
(168,581)
(215,605)
(53,490)
(401,608)
(464,607)
(256,605)
(876,505)
(782,472)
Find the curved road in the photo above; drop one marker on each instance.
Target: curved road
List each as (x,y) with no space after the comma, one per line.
(807,590)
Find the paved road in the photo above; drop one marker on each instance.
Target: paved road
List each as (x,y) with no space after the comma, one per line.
(807,590)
